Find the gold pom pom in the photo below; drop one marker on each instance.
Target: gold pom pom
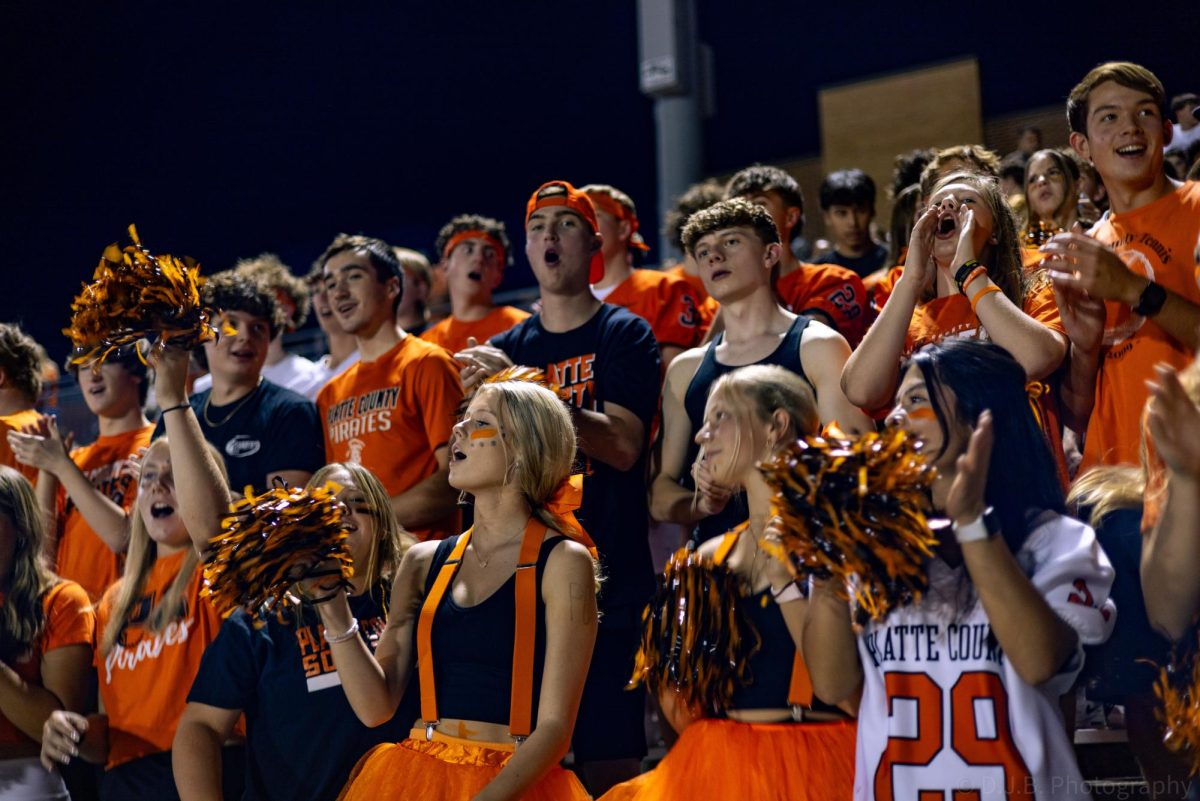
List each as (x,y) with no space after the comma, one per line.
(1178,691)
(853,510)
(135,295)
(270,542)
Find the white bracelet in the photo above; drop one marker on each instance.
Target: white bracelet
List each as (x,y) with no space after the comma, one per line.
(791,592)
(346,635)
(971,532)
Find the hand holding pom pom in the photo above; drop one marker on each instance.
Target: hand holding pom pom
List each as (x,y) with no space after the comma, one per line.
(272,542)
(853,510)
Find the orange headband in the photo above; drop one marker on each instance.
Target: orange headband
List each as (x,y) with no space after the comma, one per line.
(619,210)
(463,236)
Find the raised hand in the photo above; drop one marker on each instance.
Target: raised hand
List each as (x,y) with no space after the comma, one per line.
(1174,422)
(919,268)
(965,501)
(966,236)
(40,445)
(479,362)
(1082,315)
(1082,263)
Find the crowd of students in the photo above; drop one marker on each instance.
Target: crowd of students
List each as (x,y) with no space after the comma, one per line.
(1035,334)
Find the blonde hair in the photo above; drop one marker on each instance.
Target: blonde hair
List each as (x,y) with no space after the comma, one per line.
(22,618)
(1002,259)
(139,561)
(755,392)
(391,540)
(1109,488)
(541,450)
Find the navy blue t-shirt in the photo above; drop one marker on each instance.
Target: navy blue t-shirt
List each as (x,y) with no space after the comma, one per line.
(876,258)
(275,429)
(613,357)
(302,736)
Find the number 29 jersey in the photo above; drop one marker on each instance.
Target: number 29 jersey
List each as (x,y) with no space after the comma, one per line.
(945,717)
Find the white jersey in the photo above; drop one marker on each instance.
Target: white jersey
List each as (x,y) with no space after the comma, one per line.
(945,716)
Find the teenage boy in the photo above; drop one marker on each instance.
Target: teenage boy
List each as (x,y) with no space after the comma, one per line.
(412,315)
(20,386)
(668,303)
(1187,126)
(827,292)
(474,252)
(288,370)
(737,245)
(848,207)
(343,349)
(605,359)
(263,431)
(1128,292)
(697,198)
(393,410)
(98,482)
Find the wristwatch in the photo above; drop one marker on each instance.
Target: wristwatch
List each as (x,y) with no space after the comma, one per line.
(1151,301)
(986,526)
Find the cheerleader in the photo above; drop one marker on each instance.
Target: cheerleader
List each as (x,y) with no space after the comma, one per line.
(46,630)
(499,621)
(774,741)
(959,690)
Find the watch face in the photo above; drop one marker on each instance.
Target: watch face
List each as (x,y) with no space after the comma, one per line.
(991,521)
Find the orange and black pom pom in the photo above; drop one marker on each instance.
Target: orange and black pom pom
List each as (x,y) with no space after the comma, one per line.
(853,510)
(135,295)
(270,542)
(1178,691)
(696,638)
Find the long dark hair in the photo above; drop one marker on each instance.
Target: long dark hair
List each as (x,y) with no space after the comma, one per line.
(1022,479)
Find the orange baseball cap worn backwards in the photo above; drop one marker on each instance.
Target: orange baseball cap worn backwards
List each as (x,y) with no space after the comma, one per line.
(623,212)
(561,193)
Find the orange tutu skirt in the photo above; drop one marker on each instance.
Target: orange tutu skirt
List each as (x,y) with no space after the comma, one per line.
(717,758)
(446,769)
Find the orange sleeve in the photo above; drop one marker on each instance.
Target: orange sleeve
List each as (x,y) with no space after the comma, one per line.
(679,320)
(70,619)
(834,291)
(1041,306)
(439,394)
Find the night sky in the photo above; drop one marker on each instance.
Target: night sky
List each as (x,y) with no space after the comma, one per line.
(235,129)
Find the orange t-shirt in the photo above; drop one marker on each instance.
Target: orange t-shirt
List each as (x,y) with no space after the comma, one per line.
(390,415)
(69,621)
(452,333)
(669,304)
(830,289)
(109,465)
(144,681)
(1159,241)
(708,306)
(15,422)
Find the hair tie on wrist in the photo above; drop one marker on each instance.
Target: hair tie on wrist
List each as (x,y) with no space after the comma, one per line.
(176,407)
(978,271)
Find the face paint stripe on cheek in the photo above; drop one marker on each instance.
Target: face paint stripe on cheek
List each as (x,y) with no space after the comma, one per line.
(922,414)
(484,434)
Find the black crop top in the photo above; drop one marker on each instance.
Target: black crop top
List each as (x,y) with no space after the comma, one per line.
(787,355)
(473,646)
(770,673)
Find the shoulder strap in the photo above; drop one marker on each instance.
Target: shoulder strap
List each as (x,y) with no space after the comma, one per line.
(520,709)
(800,691)
(429,711)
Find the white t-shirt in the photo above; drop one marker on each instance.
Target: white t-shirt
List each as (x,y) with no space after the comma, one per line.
(942,707)
(329,371)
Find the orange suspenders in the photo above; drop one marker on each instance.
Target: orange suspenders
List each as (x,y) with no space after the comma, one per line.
(520,712)
(800,692)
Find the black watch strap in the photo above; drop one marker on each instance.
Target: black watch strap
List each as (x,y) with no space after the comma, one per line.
(1151,301)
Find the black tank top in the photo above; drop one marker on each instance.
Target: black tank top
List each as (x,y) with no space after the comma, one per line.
(473,647)
(787,355)
(771,665)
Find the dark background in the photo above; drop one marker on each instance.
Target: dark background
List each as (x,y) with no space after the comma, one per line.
(225,130)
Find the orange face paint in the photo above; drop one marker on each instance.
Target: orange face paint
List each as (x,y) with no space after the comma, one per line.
(484,433)
(922,413)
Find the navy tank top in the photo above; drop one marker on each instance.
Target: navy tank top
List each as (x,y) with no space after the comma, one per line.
(473,646)
(787,355)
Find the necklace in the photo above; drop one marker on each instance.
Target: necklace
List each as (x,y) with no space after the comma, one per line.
(483,561)
(236,409)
